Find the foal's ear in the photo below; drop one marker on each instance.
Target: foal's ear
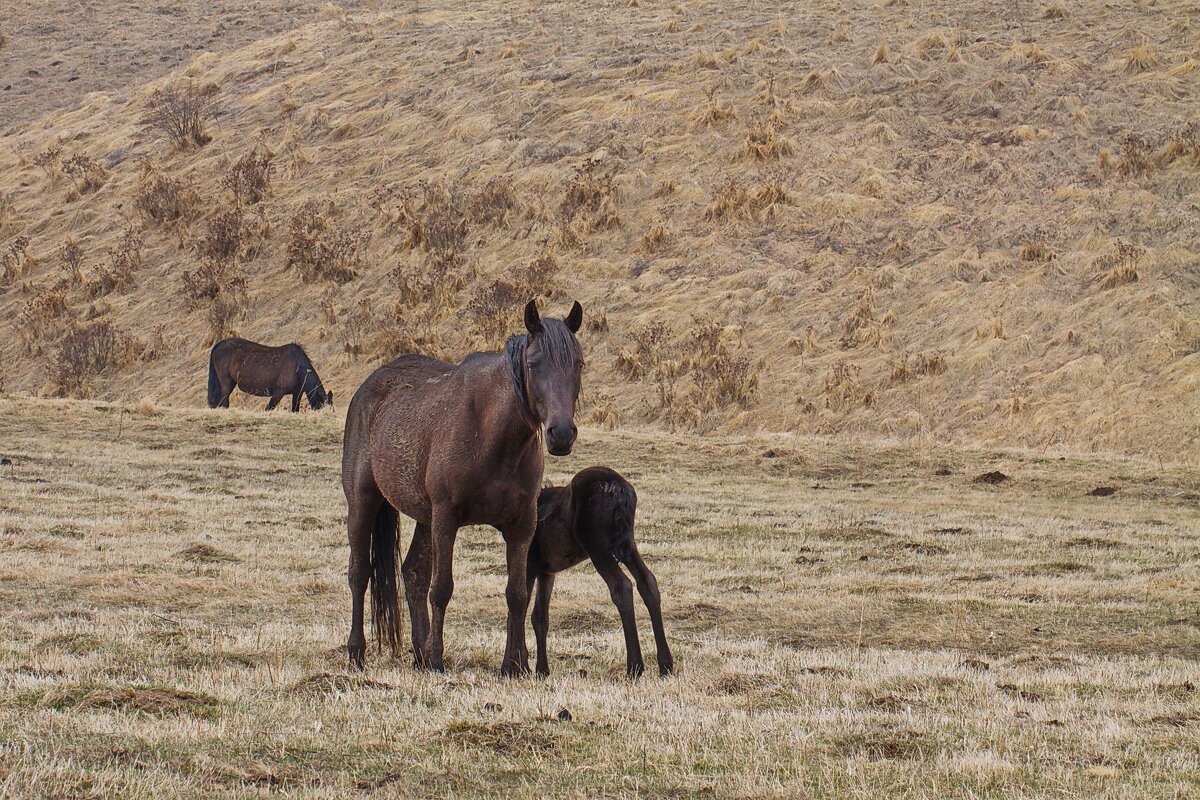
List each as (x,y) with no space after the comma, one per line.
(533,320)
(575,318)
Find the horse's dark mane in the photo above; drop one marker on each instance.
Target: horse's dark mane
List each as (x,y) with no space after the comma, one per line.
(560,347)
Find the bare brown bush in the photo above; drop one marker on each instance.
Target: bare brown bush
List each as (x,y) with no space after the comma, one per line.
(492,204)
(89,352)
(162,198)
(214,279)
(1121,265)
(591,195)
(180,113)
(44,317)
(493,308)
(70,258)
(234,234)
(87,173)
(318,250)
(249,179)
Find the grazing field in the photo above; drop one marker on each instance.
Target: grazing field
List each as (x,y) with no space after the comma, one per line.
(848,620)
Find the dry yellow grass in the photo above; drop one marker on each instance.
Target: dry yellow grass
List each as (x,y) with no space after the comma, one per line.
(848,621)
(917,149)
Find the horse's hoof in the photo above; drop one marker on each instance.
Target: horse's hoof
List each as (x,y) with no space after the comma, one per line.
(666,670)
(358,657)
(513,671)
(635,671)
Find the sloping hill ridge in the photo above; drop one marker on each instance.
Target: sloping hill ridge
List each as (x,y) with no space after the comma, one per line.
(842,218)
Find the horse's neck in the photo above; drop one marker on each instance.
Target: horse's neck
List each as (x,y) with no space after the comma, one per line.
(514,424)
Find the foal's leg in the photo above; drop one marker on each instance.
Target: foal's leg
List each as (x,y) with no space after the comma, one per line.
(541,618)
(364,505)
(417,571)
(444,530)
(621,592)
(517,538)
(648,588)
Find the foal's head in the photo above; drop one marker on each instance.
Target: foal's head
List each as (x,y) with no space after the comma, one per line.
(548,371)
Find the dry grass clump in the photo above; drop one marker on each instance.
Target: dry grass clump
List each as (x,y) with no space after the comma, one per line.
(319,250)
(90,352)
(162,198)
(1121,265)
(492,203)
(124,259)
(1055,11)
(1036,247)
(909,366)
(763,143)
(1140,59)
(15,261)
(214,278)
(44,317)
(249,179)
(180,113)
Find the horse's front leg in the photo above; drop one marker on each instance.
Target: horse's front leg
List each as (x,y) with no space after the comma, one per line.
(517,538)
(443,532)
(296,403)
(418,572)
(541,619)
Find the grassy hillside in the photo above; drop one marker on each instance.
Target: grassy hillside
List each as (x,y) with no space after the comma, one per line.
(847,622)
(961,221)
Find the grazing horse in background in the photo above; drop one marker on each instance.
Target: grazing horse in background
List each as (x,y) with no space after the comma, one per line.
(592,517)
(451,446)
(263,371)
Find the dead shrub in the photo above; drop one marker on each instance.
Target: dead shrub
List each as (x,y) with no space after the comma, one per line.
(70,258)
(44,317)
(319,250)
(908,366)
(655,239)
(492,204)
(1136,156)
(164,199)
(180,113)
(49,160)
(213,279)
(90,352)
(88,174)
(730,200)
(843,390)
(601,410)
(591,196)
(537,276)
(234,234)
(224,311)
(493,309)
(249,179)
(15,261)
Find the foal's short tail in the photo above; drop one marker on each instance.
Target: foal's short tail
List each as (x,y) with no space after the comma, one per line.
(214,385)
(623,505)
(385,599)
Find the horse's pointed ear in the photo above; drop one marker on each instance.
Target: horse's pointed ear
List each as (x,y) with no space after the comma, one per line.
(575,318)
(533,320)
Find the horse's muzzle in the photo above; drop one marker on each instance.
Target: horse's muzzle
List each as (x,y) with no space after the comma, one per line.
(560,438)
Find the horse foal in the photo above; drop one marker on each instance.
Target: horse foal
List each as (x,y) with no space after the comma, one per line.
(592,517)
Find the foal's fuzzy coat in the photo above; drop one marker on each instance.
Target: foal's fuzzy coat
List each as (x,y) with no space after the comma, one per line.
(592,517)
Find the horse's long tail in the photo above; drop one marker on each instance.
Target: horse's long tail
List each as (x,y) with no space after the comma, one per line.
(623,506)
(214,385)
(385,597)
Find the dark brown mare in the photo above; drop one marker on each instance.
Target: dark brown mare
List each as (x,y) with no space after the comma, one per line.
(451,446)
(264,371)
(592,517)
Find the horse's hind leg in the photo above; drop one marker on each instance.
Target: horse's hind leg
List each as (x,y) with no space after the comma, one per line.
(296,403)
(621,592)
(364,506)
(418,570)
(274,401)
(541,618)
(648,588)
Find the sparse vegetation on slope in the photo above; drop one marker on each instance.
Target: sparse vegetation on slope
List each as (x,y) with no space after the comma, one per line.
(834,186)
